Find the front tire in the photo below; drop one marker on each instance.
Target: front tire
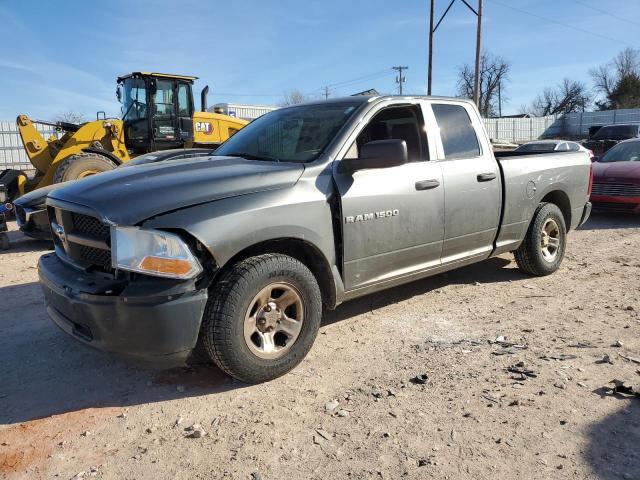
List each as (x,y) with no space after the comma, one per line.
(82,165)
(262,317)
(543,248)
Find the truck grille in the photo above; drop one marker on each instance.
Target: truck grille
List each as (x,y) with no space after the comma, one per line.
(83,239)
(89,225)
(615,207)
(616,189)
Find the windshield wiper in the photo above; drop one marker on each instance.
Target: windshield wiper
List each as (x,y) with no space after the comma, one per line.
(251,156)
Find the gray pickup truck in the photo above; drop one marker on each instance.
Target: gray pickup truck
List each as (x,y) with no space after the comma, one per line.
(236,255)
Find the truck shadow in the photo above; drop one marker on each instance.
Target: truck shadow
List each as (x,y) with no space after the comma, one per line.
(19,243)
(605,221)
(45,373)
(612,449)
(488,271)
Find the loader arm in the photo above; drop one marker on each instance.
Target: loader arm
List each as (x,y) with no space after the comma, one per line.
(36,147)
(105,137)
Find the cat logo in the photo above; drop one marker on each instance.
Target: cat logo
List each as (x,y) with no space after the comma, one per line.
(204,127)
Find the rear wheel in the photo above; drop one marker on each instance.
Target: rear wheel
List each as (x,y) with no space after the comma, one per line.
(542,250)
(82,165)
(262,317)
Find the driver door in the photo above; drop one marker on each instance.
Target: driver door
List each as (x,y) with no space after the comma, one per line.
(392,218)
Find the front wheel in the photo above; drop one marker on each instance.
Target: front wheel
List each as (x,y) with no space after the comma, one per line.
(262,317)
(542,250)
(82,165)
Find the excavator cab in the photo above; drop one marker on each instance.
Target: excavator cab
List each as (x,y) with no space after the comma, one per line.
(157,111)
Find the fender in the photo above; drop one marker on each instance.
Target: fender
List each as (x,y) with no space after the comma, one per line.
(104,153)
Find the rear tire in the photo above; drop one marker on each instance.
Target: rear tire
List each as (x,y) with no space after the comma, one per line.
(543,248)
(240,316)
(82,165)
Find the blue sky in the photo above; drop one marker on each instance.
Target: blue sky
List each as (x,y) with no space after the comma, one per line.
(66,56)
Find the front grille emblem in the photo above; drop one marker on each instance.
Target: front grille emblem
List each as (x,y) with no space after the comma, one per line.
(58,230)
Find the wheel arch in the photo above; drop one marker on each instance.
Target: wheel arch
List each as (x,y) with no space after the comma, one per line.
(302,250)
(99,151)
(562,201)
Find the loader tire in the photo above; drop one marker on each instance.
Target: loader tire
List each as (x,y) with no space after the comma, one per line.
(82,165)
(542,250)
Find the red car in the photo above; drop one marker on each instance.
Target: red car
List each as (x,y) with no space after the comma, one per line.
(616,178)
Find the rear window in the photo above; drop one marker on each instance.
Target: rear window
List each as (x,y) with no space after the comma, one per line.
(459,138)
(616,132)
(536,147)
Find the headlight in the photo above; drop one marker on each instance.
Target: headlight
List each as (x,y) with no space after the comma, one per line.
(3,194)
(152,252)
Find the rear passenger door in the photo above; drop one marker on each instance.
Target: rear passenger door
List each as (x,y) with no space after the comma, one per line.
(472,183)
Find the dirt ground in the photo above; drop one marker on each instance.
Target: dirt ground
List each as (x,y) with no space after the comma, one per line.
(350,410)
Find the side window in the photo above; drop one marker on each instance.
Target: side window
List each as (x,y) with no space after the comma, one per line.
(459,138)
(183,101)
(163,98)
(404,123)
(574,147)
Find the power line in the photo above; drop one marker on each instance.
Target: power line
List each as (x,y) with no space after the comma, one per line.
(320,90)
(564,24)
(607,13)
(370,76)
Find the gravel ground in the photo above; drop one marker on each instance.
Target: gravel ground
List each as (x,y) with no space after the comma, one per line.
(351,410)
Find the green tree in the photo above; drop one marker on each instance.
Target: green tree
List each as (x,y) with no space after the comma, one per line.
(626,93)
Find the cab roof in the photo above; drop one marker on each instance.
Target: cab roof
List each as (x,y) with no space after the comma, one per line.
(157,74)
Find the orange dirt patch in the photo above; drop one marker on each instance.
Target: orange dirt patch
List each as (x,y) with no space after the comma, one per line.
(27,445)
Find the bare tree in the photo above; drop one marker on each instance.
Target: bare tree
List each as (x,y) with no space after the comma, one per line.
(70,116)
(494,74)
(293,97)
(569,96)
(616,76)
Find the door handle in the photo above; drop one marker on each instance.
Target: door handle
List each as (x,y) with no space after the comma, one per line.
(486,177)
(427,184)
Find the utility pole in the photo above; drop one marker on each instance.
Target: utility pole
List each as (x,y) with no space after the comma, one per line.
(430,74)
(326,92)
(400,79)
(476,87)
(500,98)
(432,31)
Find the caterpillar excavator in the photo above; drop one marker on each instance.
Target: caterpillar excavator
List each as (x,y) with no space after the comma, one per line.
(158,113)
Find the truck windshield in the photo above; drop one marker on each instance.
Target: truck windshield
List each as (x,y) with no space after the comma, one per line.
(616,132)
(293,134)
(623,152)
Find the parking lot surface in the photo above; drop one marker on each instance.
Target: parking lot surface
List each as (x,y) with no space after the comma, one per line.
(413,382)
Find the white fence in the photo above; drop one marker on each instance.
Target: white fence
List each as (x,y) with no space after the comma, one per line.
(518,129)
(572,125)
(12,154)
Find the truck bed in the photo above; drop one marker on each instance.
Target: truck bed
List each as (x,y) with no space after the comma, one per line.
(531,178)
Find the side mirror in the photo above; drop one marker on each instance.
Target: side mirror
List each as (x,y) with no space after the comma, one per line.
(379,154)
(595,159)
(119,93)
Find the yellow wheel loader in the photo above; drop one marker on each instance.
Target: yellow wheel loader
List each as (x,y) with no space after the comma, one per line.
(158,113)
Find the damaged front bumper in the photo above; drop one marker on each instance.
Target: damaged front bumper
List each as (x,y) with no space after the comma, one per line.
(150,319)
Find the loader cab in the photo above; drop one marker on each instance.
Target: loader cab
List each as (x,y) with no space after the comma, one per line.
(157,111)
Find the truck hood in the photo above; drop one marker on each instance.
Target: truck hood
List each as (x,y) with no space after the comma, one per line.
(127,196)
(616,170)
